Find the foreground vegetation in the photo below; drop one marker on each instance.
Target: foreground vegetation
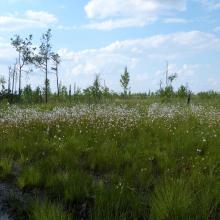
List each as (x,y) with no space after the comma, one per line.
(118,161)
(96,154)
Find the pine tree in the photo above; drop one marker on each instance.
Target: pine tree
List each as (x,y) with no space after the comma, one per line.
(41,60)
(23,47)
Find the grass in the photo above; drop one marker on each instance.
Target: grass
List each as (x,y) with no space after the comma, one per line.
(134,161)
(5,167)
(48,211)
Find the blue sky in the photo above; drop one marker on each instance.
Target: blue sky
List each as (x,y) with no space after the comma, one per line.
(102,37)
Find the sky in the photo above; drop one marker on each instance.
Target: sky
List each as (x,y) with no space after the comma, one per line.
(103,37)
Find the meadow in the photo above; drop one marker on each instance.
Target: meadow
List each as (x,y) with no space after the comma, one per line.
(127,160)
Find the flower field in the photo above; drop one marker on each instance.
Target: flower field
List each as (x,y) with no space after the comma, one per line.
(142,161)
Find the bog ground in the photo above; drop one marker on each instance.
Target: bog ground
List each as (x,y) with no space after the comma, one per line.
(112,161)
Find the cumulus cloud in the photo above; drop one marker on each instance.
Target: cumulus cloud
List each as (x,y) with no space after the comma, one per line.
(67,28)
(175,21)
(31,19)
(113,14)
(142,56)
(40,16)
(211,4)
(145,58)
(180,42)
(104,9)
(120,23)
(7,53)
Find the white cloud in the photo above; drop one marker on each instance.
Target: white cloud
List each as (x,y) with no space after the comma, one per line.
(17,1)
(214,83)
(31,19)
(175,21)
(104,9)
(40,16)
(67,28)
(7,53)
(178,43)
(186,74)
(113,14)
(7,56)
(120,23)
(211,4)
(142,56)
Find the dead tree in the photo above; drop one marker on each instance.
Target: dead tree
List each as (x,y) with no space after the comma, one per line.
(56,62)
(23,47)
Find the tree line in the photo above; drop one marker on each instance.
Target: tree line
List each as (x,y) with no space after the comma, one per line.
(44,59)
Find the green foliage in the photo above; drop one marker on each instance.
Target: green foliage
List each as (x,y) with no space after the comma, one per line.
(27,94)
(193,197)
(171,78)
(2,83)
(182,92)
(30,177)
(78,187)
(5,167)
(37,95)
(142,162)
(45,210)
(47,90)
(167,92)
(171,200)
(208,95)
(25,56)
(30,96)
(41,60)
(118,202)
(45,48)
(96,92)
(125,79)
(63,91)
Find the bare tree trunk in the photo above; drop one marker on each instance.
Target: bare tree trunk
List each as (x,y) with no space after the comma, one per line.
(70,91)
(74,88)
(16,81)
(19,87)
(46,82)
(19,83)
(58,90)
(9,79)
(13,79)
(167,72)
